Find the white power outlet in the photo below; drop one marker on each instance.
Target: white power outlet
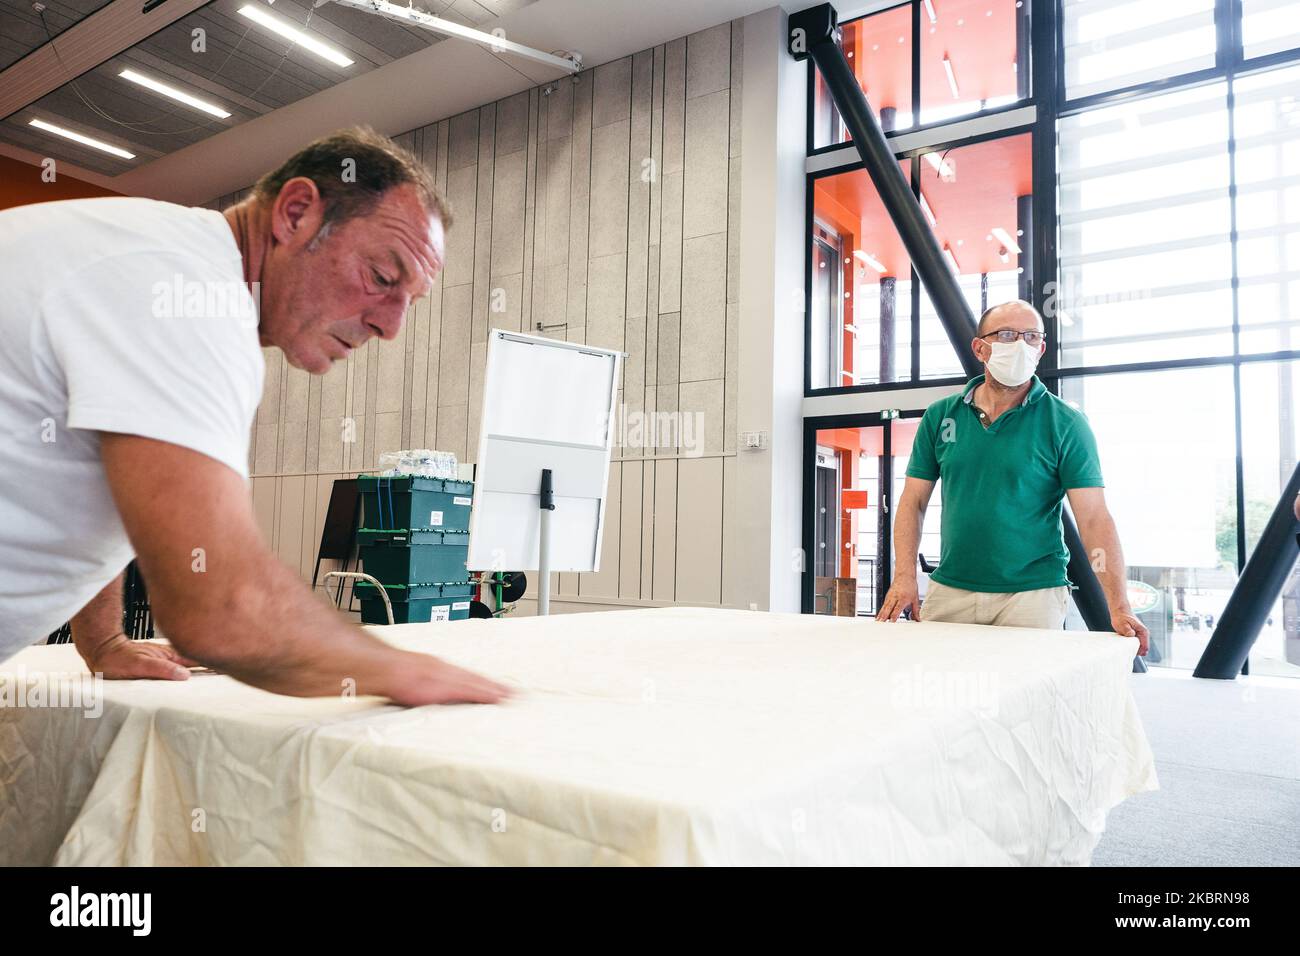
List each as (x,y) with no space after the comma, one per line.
(754,441)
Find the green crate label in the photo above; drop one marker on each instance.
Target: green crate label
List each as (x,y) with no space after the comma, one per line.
(440,613)
(435,519)
(463,501)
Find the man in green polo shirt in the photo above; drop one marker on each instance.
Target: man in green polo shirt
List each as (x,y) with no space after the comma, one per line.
(1008,452)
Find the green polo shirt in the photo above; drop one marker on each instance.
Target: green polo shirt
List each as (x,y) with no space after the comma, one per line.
(1003,486)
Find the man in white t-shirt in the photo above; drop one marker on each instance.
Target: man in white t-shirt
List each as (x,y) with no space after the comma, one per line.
(129,375)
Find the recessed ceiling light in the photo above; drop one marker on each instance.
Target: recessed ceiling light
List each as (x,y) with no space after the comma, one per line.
(925,208)
(870,260)
(79,138)
(952,77)
(940,165)
(172,92)
(1005,238)
(291,32)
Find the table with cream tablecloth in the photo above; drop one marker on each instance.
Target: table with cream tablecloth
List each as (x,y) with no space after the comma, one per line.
(649,736)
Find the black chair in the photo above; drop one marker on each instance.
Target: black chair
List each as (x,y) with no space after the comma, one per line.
(137,617)
(338,537)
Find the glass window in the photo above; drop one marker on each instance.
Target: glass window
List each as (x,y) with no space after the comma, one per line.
(977,199)
(861,309)
(1270,440)
(1113,44)
(1269,26)
(1145,254)
(974,56)
(1267,128)
(879,49)
(1167,441)
(971,56)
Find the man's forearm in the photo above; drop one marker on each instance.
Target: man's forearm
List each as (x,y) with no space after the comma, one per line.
(1101,542)
(100,620)
(262,626)
(907,540)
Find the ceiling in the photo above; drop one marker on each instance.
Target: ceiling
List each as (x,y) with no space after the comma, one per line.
(21,30)
(281,96)
(242,67)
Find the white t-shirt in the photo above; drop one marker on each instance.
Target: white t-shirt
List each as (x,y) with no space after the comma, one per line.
(120,315)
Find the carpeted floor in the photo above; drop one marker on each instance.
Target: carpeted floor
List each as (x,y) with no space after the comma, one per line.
(1228,757)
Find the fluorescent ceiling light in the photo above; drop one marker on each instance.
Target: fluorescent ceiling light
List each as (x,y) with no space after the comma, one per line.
(925,208)
(78,138)
(1005,238)
(179,96)
(497,43)
(870,260)
(952,260)
(290,32)
(1065,319)
(952,77)
(929,10)
(940,165)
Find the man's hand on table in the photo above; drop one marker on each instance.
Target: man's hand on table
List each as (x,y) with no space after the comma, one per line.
(119,658)
(1126,624)
(420,679)
(903,594)
(416,679)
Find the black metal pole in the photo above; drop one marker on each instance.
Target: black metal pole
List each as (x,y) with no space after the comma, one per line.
(812,34)
(1260,583)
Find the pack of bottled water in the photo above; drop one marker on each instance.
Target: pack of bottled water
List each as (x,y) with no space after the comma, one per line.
(419,461)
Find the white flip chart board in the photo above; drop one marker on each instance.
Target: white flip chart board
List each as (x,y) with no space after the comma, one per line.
(546,404)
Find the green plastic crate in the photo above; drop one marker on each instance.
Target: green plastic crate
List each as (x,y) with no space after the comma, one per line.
(416,603)
(414,502)
(400,557)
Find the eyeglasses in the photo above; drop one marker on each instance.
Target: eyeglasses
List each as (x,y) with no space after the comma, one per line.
(1007,336)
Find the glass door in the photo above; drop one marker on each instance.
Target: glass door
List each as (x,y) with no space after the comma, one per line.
(852,478)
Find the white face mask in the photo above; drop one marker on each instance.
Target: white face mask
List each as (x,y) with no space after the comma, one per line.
(1012,363)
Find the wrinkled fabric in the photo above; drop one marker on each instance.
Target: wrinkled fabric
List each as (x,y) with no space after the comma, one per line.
(656,736)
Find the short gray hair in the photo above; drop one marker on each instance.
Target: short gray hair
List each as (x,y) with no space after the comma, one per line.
(380,165)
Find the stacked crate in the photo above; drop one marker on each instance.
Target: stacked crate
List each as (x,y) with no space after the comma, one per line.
(415,541)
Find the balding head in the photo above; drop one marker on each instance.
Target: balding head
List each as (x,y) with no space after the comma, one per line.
(1016,314)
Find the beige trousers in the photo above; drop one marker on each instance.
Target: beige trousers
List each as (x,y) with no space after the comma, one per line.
(1044,608)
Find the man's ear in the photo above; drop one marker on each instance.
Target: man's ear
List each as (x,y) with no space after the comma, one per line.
(297,213)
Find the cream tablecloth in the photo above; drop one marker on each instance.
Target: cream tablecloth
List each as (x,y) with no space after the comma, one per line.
(661,736)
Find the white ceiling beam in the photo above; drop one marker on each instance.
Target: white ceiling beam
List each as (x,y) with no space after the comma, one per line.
(83,46)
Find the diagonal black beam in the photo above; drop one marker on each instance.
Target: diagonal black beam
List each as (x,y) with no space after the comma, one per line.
(1260,583)
(812,34)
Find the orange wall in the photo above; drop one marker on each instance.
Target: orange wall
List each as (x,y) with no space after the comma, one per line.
(21,184)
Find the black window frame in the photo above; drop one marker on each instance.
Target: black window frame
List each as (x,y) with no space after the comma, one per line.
(913,155)
(812,149)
